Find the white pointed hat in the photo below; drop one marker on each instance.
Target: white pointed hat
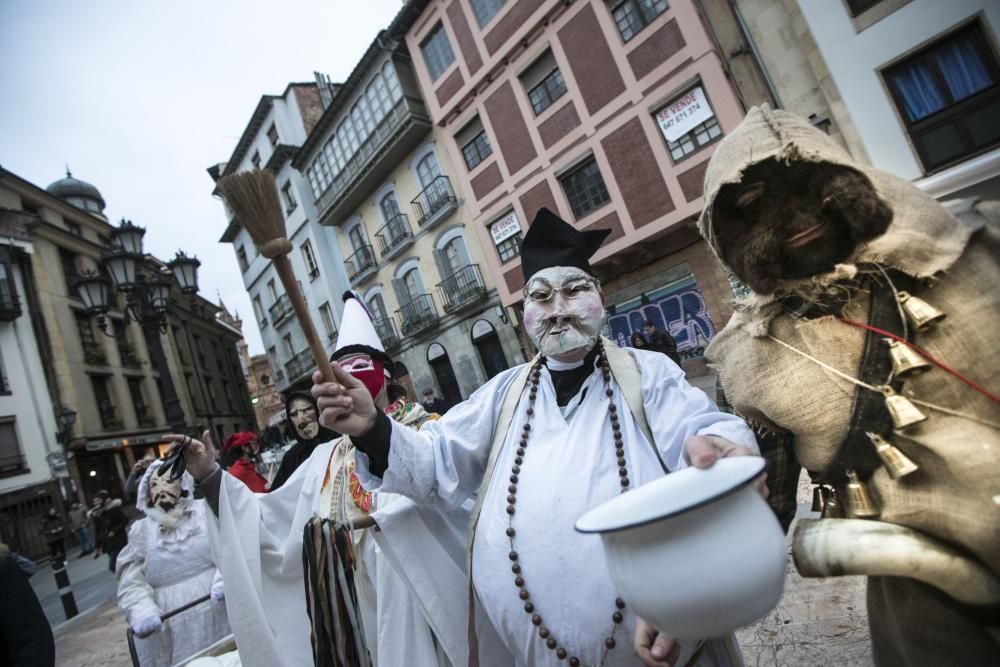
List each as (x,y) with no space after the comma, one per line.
(357,332)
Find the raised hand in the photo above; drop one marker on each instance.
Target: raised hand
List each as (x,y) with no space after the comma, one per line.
(345,406)
(199,455)
(702,451)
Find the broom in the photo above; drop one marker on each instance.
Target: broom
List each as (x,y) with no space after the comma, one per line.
(253,197)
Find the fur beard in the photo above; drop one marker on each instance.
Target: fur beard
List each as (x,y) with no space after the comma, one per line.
(168,519)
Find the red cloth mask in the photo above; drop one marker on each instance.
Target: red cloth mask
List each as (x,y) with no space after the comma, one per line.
(366,369)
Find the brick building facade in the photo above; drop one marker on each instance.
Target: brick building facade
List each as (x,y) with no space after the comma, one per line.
(577,106)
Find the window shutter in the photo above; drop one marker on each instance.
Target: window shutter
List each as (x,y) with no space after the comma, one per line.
(444,268)
(402,294)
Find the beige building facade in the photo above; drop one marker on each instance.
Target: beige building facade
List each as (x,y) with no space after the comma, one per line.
(111,381)
(380,175)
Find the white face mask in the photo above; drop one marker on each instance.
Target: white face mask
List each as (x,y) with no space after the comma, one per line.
(166,504)
(563,312)
(304,418)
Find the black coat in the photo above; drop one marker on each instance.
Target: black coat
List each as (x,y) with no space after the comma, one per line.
(661,341)
(111,527)
(25,633)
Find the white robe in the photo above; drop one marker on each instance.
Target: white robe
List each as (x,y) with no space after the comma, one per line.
(569,468)
(160,571)
(258,542)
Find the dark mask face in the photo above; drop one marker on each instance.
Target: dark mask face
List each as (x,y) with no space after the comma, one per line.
(304,418)
(787,222)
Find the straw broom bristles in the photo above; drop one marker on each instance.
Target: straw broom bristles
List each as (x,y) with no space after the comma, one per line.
(253,197)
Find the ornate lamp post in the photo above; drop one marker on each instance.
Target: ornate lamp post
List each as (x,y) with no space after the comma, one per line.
(147,300)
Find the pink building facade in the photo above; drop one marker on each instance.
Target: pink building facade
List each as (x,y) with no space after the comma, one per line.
(605,112)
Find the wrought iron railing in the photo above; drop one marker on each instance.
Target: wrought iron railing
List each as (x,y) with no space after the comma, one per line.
(462,288)
(434,199)
(386,330)
(394,234)
(300,364)
(360,263)
(128,355)
(280,309)
(417,315)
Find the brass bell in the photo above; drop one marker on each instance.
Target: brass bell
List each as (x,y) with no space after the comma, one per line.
(920,313)
(859,502)
(896,463)
(821,495)
(832,509)
(904,360)
(903,412)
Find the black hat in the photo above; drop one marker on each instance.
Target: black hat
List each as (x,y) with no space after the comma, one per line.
(551,241)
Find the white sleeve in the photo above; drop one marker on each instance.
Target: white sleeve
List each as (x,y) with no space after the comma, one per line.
(447,457)
(135,595)
(676,410)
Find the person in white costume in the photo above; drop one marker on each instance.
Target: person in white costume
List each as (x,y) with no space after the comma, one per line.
(260,543)
(168,564)
(535,448)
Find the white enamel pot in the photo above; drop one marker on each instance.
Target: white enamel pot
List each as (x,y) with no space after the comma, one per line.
(696,553)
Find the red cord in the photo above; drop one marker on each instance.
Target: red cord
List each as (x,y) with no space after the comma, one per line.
(926,355)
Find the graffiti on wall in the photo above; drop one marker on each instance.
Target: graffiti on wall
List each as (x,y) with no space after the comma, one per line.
(678,308)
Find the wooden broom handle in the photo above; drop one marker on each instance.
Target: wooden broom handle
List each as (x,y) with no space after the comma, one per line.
(284,268)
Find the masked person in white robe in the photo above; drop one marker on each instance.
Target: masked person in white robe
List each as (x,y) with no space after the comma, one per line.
(166,565)
(531,451)
(304,588)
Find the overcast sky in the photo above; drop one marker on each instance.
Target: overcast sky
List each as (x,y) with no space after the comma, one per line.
(139,98)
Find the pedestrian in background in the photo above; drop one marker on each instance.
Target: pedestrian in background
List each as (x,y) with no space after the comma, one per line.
(432,403)
(134,475)
(660,341)
(638,341)
(54,530)
(110,524)
(79,525)
(239,458)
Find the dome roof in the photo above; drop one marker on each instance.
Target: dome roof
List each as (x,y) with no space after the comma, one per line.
(69,188)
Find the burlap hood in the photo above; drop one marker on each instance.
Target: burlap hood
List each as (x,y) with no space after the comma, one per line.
(923,239)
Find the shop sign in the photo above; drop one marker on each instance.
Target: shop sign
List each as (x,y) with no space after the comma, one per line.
(682,115)
(135,441)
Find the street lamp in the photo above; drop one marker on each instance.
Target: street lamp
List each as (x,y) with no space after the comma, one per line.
(147,299)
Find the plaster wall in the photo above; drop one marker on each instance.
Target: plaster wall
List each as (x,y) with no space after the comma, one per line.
(855,57)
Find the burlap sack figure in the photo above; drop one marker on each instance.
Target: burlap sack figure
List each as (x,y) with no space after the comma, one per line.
(955,496)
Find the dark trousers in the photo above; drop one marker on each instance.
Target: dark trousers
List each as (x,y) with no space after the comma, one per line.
(58,550)
(913,624)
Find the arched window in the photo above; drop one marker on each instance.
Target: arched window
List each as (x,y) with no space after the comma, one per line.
(390,206)
(428,169)
(456,254)
(356,237)
(377,305)
(413,282)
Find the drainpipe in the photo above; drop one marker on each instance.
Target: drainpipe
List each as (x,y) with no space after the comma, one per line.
(745,34)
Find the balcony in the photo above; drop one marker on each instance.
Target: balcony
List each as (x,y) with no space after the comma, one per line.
(386,330)
(435,202)
(461,289)
(13,464)
(417,315)
(94,355)
(128,355)
(360,264)
(394,236)
(399,133)
(280,309)
(299,365)
(10,306)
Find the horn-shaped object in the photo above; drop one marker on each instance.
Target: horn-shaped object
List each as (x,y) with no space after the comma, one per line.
(905,362)
(896,463)
(859,502)
(847,547)
(920,313)
(903,412)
